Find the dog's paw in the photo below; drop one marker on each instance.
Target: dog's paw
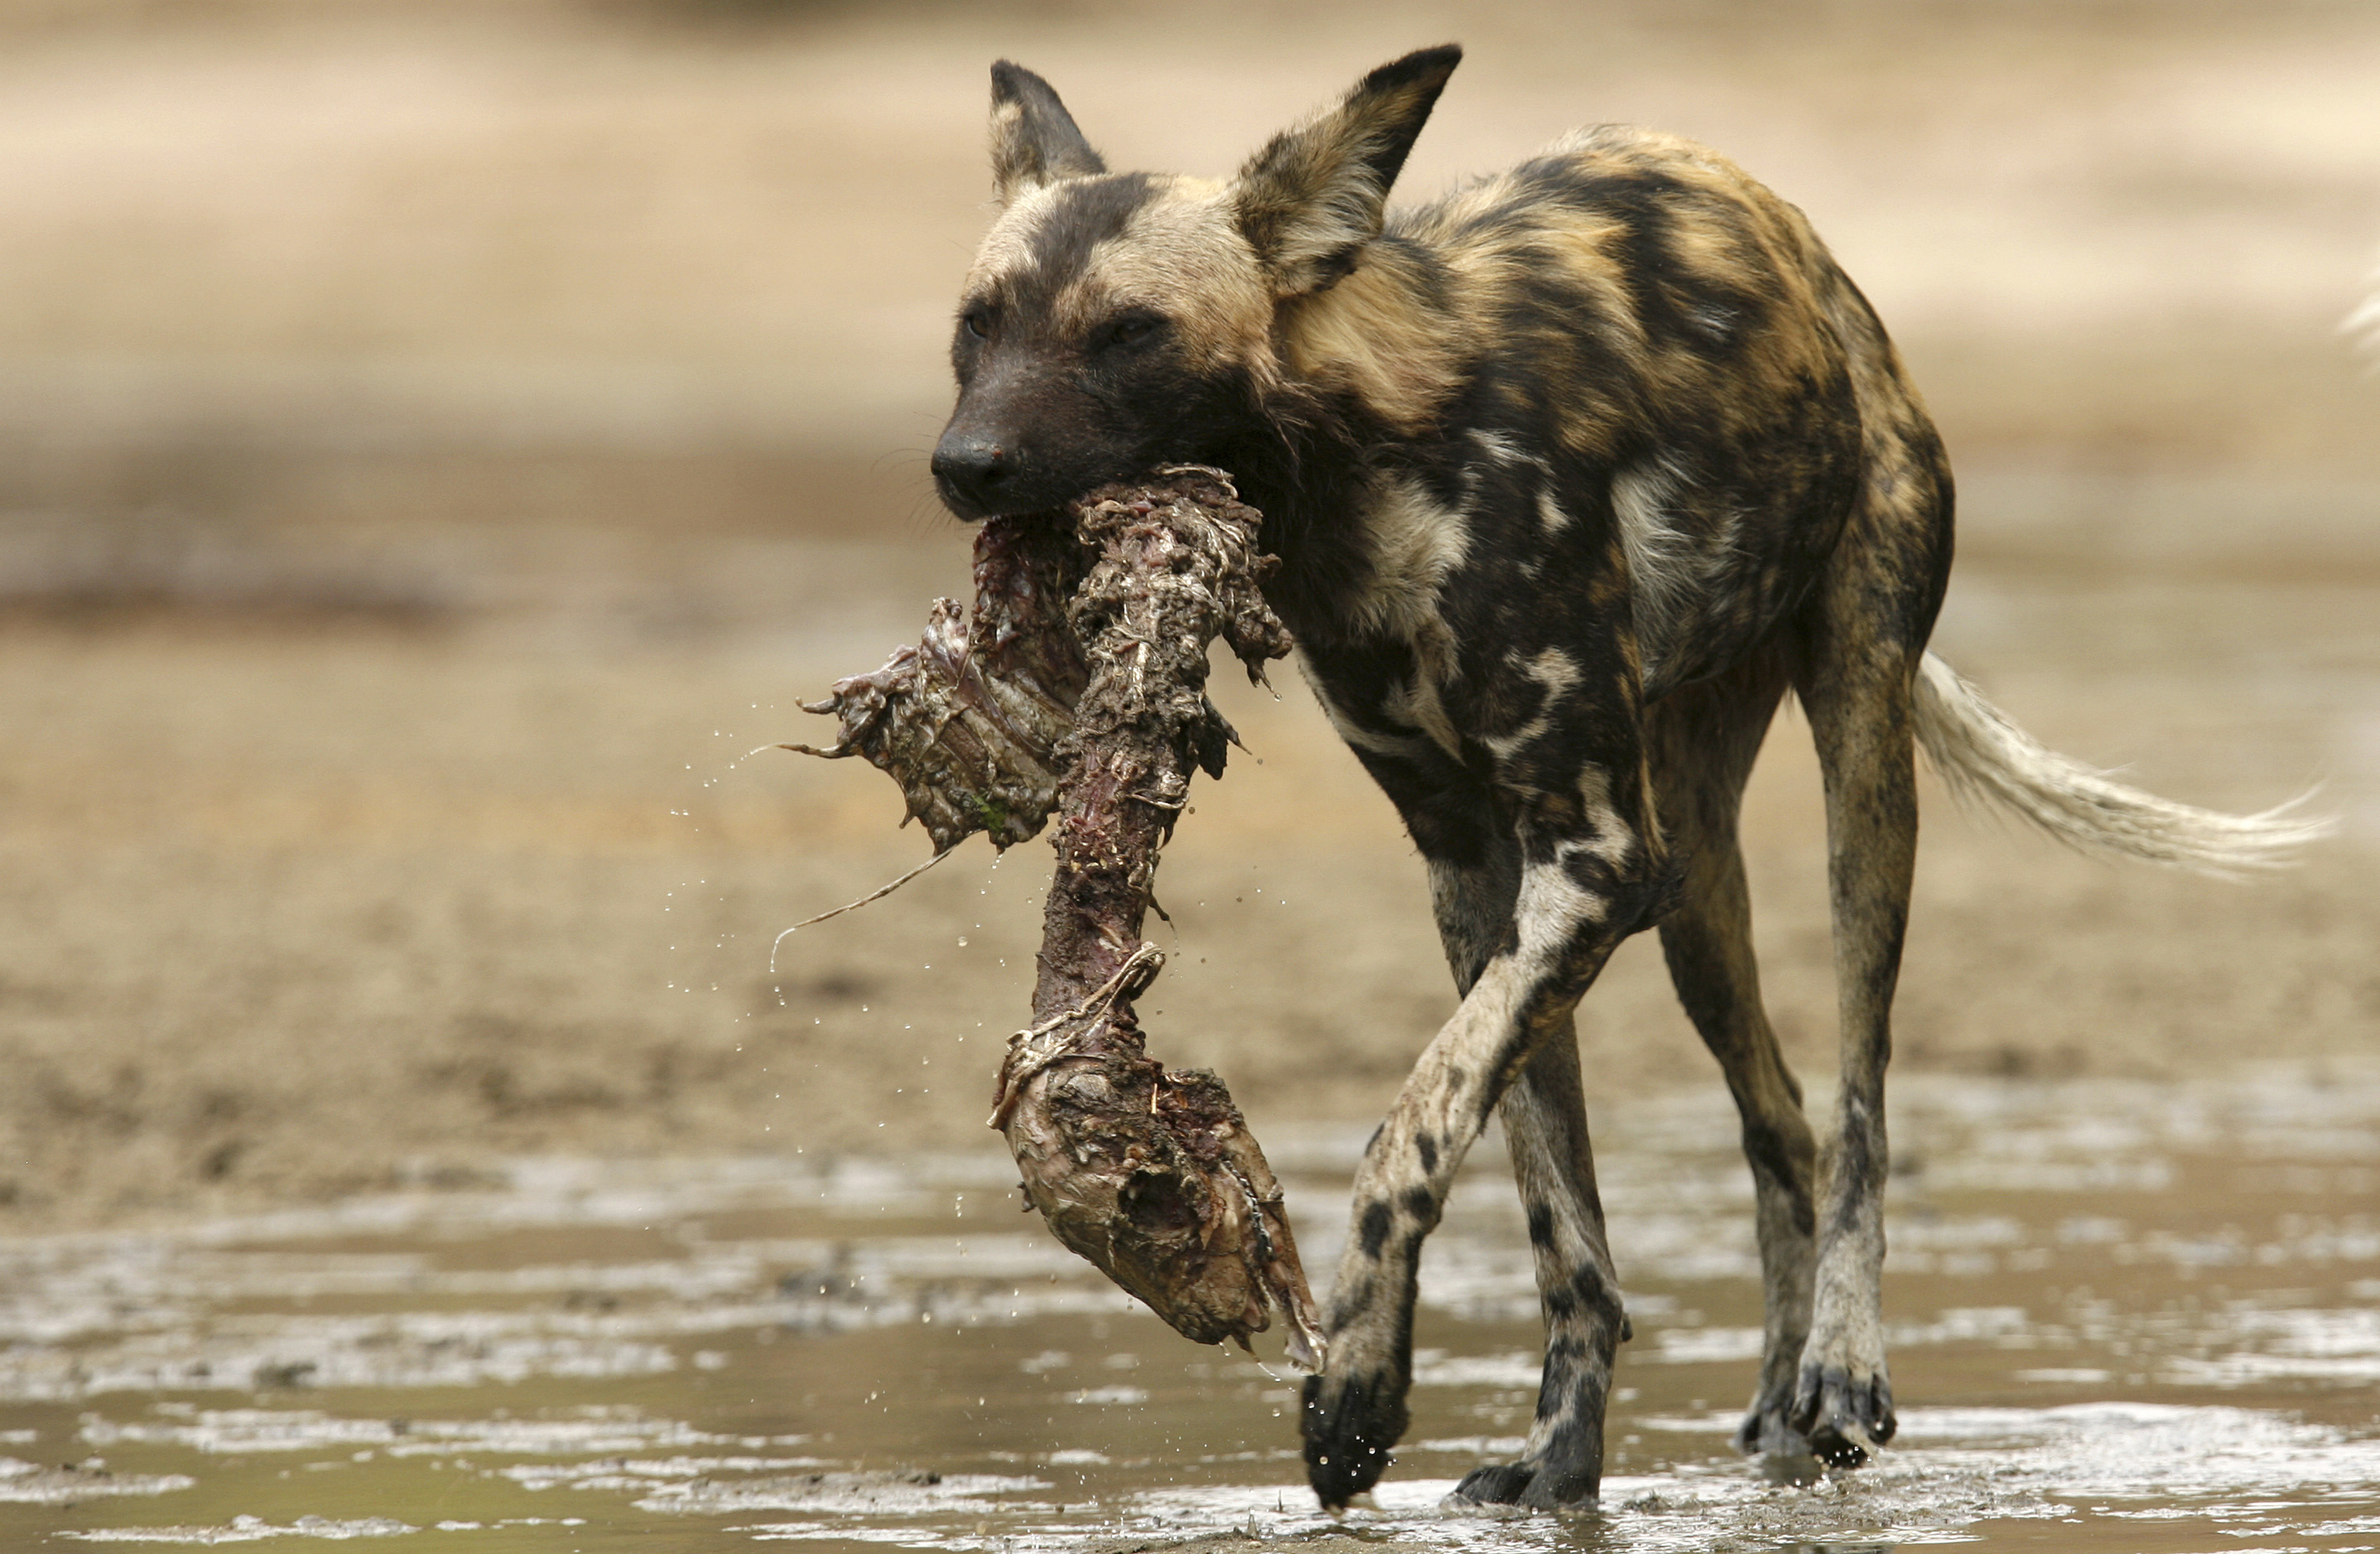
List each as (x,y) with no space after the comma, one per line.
(1349,1423)
(1845,1413)
(1532,1482)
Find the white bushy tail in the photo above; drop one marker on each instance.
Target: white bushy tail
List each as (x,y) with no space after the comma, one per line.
(1982,755)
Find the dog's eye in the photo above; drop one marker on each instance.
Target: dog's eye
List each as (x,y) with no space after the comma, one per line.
(1132,328)
(976,322)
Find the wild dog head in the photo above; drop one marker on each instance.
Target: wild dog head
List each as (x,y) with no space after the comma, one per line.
(1117,320)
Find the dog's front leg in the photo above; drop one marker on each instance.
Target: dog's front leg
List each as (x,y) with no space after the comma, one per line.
(1577,898)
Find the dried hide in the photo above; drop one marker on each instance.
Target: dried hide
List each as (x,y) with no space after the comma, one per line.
(1079,689)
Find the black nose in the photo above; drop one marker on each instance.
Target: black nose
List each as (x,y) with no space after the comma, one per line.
(971,470)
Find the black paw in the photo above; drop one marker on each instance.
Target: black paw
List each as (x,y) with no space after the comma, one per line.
(1844,1416)
(1495,1484)
(1349,1423)
(1531,1484)
(1766,1432)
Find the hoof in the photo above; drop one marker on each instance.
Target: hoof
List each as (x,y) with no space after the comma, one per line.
(1349,1423)
(1844,1416)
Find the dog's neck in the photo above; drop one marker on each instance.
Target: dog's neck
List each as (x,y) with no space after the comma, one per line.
(1361,382)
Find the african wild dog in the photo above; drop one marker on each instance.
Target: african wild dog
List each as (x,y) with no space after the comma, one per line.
(1572,475)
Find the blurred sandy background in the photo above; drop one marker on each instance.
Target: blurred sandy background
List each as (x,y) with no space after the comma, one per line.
(438,441)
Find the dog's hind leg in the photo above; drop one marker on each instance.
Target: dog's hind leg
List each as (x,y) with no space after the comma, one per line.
(1703,741)
(1842,1398)
(1544,1129)
(1861,637)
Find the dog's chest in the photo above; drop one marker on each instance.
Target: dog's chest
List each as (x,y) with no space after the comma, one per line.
(1450,595)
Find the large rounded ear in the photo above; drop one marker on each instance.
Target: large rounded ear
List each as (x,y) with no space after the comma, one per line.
(1033,141)
(1315,195)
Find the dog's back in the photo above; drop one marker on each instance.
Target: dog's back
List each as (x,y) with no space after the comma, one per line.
(1669,352)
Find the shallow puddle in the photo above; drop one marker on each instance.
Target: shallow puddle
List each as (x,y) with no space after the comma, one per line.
(2125,1317)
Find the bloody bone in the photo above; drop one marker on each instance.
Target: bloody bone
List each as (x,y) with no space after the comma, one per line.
(993,726)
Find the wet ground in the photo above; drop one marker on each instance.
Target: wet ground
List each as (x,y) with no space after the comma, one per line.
(2126,1316)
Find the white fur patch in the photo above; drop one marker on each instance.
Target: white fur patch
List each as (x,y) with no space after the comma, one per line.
(1501,449)
(1553,909)
(1612,840)
(1412,543)
(1661,568)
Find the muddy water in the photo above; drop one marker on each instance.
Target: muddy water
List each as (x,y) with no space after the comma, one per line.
(2126,1316)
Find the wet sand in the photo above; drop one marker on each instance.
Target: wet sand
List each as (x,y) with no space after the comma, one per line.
(2127,1315)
